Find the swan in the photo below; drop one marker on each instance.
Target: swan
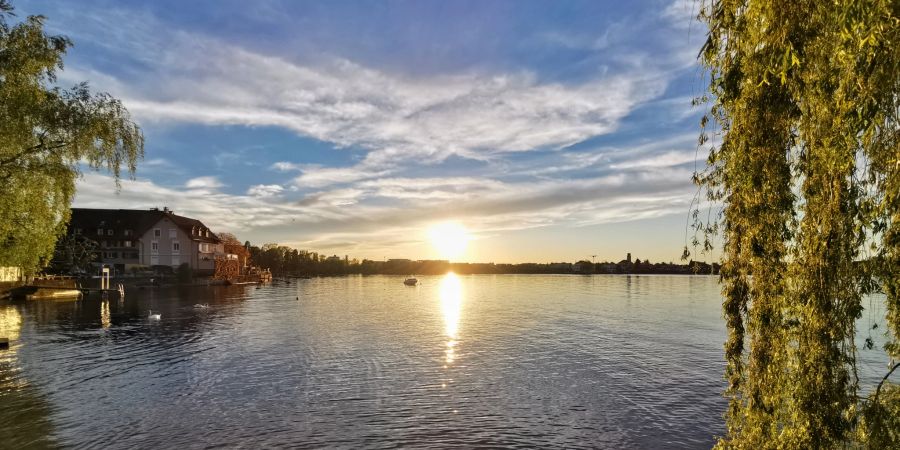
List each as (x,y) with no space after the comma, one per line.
(156,316)
(203,306)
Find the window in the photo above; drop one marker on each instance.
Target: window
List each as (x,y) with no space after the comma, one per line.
(172,233)
(154,247)
(103,243)
(157,232)
(176,246)
(109,232)
(113,254)
(128,243)
(100,231)
(127,232)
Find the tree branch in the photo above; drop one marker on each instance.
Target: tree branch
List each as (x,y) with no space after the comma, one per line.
(32,150)
(878,389)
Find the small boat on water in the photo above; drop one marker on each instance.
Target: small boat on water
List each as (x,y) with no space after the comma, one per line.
(410,281)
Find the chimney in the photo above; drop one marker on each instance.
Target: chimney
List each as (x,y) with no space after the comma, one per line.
(629,257)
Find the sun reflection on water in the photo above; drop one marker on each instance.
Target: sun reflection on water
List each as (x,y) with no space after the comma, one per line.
(451,308)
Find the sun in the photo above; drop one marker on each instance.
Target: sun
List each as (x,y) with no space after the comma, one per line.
(450,239)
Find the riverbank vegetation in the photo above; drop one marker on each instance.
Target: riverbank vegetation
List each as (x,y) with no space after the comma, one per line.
(804,155)
(47,135)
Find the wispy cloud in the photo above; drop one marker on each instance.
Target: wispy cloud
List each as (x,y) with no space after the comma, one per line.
(203,183)
(265,190)
(317,176)
(475,115)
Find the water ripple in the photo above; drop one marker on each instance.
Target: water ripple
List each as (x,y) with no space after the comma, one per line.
(473,361)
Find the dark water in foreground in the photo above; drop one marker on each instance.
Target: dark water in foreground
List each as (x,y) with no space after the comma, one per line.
(511,361)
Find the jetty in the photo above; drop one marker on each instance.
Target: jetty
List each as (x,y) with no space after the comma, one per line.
(52,287)
(253,276)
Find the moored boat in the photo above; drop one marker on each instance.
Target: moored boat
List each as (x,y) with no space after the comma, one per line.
(410,281)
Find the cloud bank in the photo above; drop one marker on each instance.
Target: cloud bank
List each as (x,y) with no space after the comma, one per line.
(527,136)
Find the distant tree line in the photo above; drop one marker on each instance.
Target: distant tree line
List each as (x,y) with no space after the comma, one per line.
(284,260)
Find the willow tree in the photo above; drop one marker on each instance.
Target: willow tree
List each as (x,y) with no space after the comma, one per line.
(47,134)
(802,128)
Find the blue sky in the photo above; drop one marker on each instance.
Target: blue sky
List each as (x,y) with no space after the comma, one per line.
(551,130)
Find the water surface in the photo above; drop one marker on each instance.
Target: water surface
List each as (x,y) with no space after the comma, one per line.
(465,361)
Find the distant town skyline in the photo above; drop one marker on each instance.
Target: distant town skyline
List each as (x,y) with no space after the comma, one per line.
(549,131)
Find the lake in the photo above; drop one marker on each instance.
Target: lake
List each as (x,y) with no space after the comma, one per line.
(609,361)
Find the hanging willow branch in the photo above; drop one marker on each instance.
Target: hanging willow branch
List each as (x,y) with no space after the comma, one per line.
(804,97)
(47,135)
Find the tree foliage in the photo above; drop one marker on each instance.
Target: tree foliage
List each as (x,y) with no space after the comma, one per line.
(802,129)
(234,246)
(46,135)
(73,254)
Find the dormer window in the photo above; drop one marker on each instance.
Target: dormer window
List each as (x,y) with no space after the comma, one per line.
(109,232)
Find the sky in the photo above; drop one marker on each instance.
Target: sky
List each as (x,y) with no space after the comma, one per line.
(551,131)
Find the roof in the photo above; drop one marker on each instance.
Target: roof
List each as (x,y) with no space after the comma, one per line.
(137,220)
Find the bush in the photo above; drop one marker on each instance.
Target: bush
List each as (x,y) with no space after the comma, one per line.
(185,273)
(162,270)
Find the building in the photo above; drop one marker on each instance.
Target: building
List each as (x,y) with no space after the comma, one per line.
(626,265)
(583,267)
(129,238)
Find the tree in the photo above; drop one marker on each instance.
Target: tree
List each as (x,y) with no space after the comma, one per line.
(234,246)
(46,135)
(802,129)
(73,254)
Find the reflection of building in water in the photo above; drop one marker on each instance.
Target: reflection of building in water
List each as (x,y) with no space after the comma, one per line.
(10,327)
(24,412)
(10,323)
(451,309)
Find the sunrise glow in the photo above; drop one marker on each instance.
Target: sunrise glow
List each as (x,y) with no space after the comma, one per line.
(449,240)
